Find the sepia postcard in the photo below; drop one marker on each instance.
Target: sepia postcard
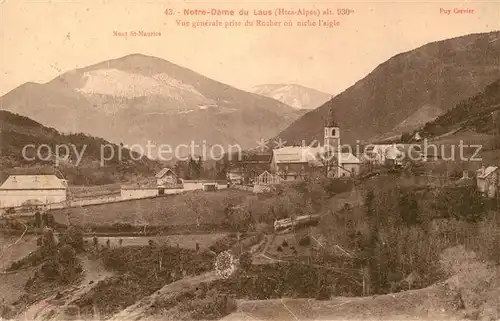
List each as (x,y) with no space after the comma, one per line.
(249,160)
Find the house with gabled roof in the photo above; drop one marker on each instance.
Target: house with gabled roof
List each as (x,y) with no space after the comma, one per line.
(19,190)
(166,177)
(488,181)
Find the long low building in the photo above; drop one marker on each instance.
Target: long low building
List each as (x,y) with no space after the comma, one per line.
(19,190)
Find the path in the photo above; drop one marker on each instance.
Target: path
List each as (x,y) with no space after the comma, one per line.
(54,308)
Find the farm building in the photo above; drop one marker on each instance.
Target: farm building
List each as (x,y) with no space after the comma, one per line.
(166,176)
(20,190)
(488,181)
(251,165)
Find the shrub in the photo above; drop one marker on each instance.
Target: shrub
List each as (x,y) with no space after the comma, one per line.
(73,237)
(279,249)
(245,261)
(213,307)
(462,203)
(284,244)
(305,241)
(51,270)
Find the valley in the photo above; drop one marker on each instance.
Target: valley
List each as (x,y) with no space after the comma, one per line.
(135,188)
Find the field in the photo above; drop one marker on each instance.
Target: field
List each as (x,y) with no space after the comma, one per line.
(188,209)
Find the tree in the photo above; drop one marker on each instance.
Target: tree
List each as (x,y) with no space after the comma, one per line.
(496,128)
(408,208)
(194,168)
(328,161)
(73,237)
(38,220)
(48,242)
(245,262)
(199,168)
(405,137)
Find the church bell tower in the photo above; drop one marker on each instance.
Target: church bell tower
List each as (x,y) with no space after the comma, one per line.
(332,132)
(332,143)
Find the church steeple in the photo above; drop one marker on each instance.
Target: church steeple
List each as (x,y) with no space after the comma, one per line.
(332,131)
(330,119)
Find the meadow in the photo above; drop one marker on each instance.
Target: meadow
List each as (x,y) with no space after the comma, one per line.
(188,209)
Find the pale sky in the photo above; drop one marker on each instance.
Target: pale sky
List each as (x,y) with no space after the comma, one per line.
(41,39)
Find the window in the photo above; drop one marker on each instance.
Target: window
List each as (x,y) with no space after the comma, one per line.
(333,132)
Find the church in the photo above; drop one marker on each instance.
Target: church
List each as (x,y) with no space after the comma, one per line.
(297,162)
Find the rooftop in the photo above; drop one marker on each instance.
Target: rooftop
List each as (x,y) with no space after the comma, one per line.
(299,154)
(23,182)
(483,173)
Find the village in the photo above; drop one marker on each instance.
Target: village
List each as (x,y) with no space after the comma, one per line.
(258,172)
(287,207)
(348,175)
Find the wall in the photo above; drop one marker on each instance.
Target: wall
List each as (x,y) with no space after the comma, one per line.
(138,193)
(93,201)
(192,185)
(170,191)
(15,198)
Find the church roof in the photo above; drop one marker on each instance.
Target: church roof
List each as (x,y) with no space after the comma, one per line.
(330,119)
(306,154)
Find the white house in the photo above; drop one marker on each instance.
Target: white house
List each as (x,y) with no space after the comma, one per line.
(235,176)
(488,181)
(20,190)
(166,176)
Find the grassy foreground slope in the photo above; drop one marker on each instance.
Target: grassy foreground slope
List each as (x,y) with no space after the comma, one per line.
(170,210)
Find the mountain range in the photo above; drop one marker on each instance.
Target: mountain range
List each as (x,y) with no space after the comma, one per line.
(140,99)
(432,78)
(294,95)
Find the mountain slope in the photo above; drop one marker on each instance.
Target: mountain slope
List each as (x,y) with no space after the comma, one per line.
(297,96)
(439,74)
(476,113)
(20,131)
(141,99)
(423,115)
